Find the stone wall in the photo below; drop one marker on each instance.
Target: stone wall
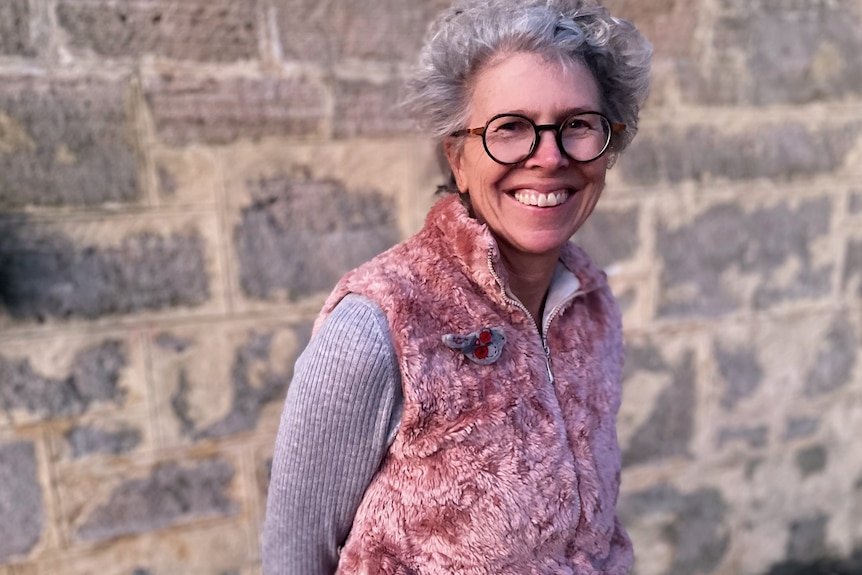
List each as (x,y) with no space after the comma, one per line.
(182,182)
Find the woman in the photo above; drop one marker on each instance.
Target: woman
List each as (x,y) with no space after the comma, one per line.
(455,411)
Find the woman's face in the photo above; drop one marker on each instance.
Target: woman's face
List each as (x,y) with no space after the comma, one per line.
(504,196)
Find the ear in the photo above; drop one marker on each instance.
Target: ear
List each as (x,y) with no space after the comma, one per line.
(454,155)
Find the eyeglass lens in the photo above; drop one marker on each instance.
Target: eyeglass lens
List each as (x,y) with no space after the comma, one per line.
(512,139)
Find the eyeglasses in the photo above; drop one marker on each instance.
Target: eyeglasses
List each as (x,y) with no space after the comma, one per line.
(512,138)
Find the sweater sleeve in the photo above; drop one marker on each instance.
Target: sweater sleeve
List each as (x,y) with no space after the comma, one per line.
(340,415)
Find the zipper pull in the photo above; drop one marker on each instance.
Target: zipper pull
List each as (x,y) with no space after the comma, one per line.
(548,360)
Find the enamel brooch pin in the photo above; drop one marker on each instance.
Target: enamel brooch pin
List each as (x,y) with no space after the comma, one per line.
(482,347)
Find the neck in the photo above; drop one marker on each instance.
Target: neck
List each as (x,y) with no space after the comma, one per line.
(529,277)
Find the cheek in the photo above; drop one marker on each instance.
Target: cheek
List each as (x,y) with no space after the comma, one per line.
(480,172)
(596,175)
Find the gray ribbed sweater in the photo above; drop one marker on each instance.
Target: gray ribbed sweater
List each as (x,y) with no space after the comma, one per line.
(341,414)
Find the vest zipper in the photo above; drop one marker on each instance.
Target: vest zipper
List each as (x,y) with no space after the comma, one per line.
(517,303)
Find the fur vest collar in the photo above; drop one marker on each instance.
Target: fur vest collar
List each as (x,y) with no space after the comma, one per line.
(508,466)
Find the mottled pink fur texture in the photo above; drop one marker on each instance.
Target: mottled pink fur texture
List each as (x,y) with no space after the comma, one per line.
(493,470)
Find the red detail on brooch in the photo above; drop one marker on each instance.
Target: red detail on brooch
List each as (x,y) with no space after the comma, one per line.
(482,346)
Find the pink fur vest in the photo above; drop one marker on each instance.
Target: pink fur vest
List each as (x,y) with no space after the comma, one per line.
(495,469)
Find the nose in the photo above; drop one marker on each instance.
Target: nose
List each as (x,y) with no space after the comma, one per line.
(547,153)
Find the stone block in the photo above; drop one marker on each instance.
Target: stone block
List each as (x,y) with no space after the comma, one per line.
(727,258)
(118,439)
(217,549)
(676,532)
(740,371)
(21,505)
(66,142)
(351,200)
(190,108)
(115,266)
(781,383)
(658,417)
(405,170)
(299,235)
(108,498)
(15,38)
(369,109)
(611,235)
(375,30)
(779,152)
(776,52)
(199,30)
(837,359)
(811,460)
(213,382)
(56,378)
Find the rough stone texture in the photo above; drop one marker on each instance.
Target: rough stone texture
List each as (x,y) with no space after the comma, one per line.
(811,460)
(188,109)
(223,381)
(800,428)
(777,52)
(753,437)
(702,153)
(85,441)
(186,176)
(807,540)
(694,525)
(726,239)
(20,500)
(211,547)
(93,378)
(668,429)
(66,143)
(610,236)
(741,372)
(179,190)
(202,30)
(300,235)
(821,566)
(325,32)
(256,381)
(669,25)
(15,37)
(853,268)
(171,495)
(368,109)
(836,359)
(47,275)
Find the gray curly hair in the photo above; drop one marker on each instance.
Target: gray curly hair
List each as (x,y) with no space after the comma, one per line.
(471,33)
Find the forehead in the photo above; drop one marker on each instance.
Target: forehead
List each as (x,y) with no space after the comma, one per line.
(534,86)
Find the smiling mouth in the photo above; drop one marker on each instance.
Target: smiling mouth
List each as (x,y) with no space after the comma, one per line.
(549,200)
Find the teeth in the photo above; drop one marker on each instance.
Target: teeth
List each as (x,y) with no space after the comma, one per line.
(541,200)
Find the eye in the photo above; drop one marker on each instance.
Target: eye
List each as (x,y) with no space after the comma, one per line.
(578,124)
(510,126)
